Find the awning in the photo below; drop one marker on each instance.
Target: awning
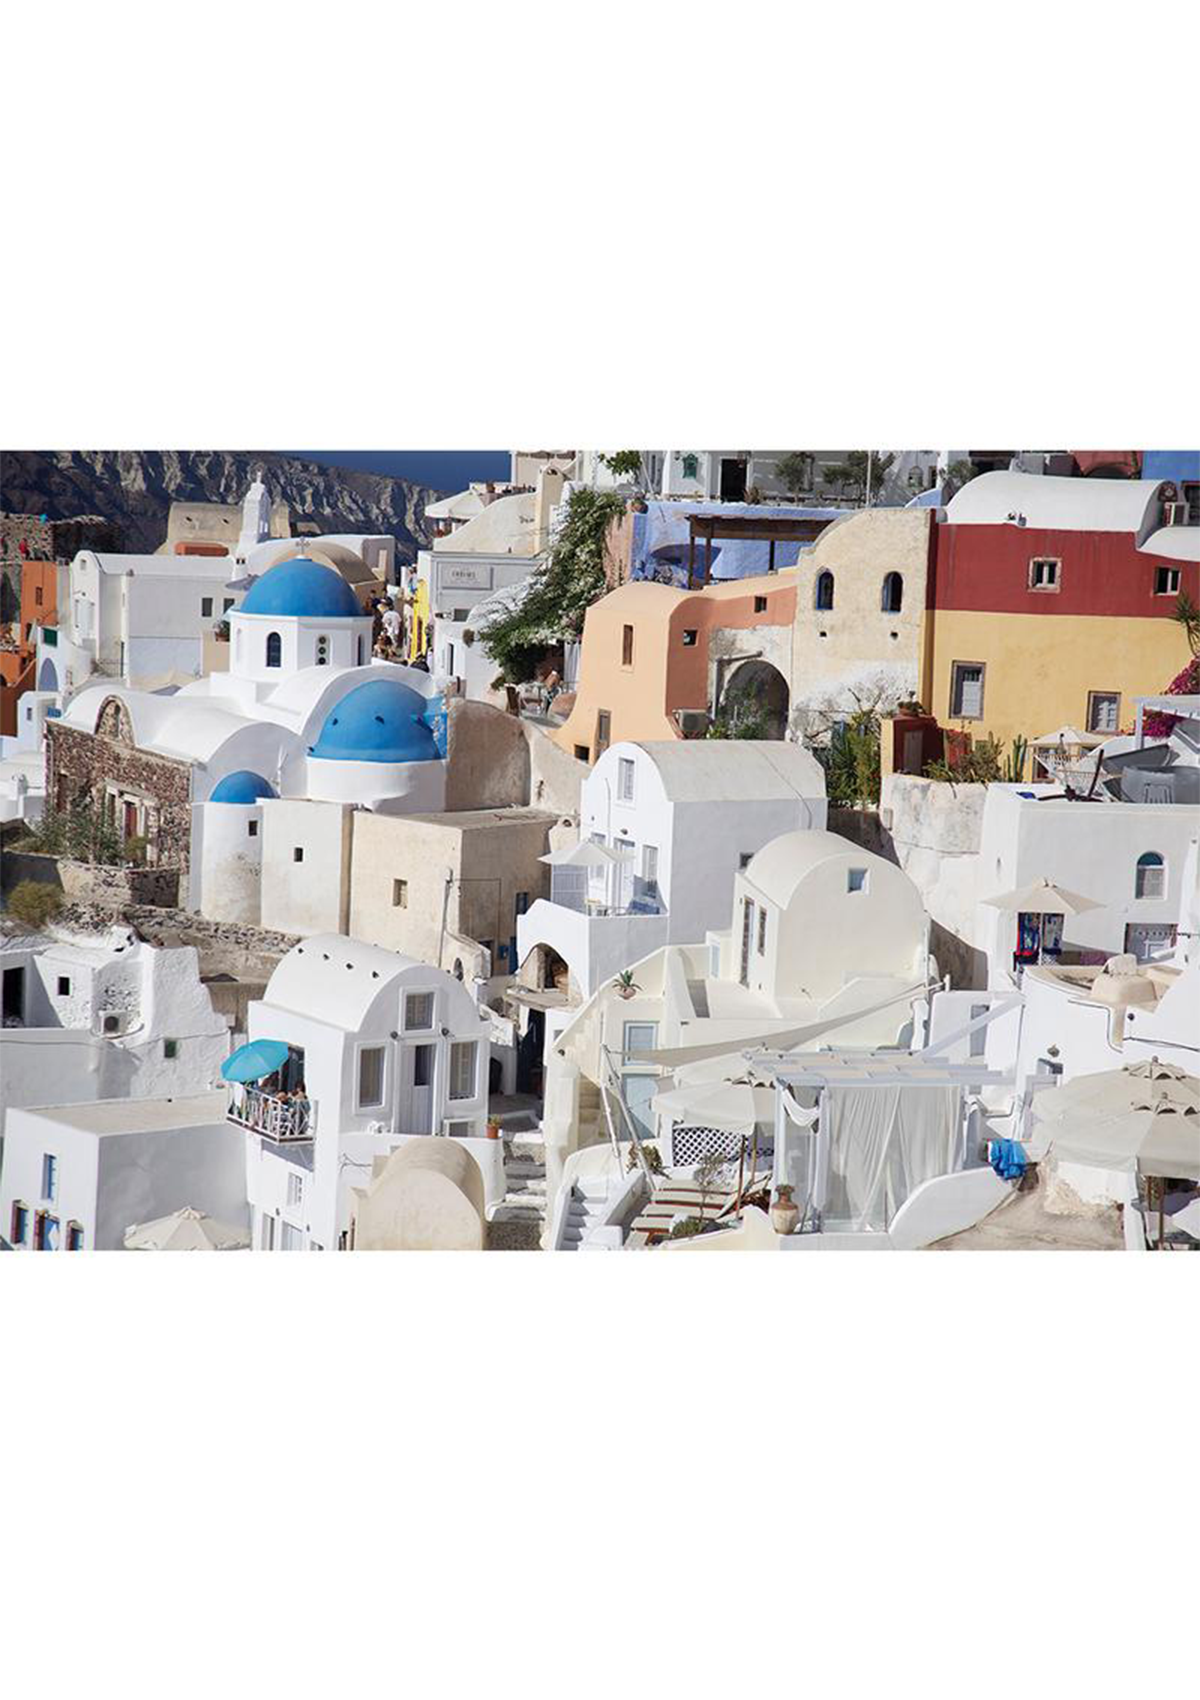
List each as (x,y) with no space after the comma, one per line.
(185,1230)
(731,1105)
(255,1060)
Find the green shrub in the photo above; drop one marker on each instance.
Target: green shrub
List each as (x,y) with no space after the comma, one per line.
(34,903)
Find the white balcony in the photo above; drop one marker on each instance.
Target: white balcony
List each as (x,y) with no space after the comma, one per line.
(286,1120)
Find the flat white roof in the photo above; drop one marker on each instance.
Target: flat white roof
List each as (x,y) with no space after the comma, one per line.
(733,770)
(113,1116)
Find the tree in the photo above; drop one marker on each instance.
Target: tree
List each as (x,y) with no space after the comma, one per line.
(562,587)
(795,472)
(958,473)
(1187,615)
(851,475)
(626,463)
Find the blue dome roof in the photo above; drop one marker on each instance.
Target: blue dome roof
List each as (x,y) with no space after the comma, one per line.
(302,586)
(379,721)
(241,787)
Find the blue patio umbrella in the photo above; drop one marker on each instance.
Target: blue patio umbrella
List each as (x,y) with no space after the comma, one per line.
(255,1060)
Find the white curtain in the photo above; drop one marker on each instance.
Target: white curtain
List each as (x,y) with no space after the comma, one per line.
(883,1142)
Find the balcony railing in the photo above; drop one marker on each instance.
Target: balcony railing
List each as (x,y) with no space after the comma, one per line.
(285,1120)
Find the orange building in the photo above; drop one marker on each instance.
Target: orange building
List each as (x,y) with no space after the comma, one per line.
(18,650)
(656,659)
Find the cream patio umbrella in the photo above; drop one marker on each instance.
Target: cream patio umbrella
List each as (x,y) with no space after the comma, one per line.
(185,1230)
(1043,897)
(1144,1118)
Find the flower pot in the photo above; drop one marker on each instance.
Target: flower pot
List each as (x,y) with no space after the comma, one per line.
(785,1212)
(493,1130)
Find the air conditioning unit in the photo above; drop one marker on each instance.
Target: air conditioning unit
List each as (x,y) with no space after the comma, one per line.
(692,722)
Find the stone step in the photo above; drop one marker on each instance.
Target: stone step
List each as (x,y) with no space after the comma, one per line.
(519,1233)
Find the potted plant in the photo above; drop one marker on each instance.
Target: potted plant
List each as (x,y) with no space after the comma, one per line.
(625,985)
(493,1128)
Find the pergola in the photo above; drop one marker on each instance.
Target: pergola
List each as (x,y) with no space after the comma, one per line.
(748,528)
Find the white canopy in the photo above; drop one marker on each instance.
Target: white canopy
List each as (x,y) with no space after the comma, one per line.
(1042,898)
(732,1105)
(185,1230)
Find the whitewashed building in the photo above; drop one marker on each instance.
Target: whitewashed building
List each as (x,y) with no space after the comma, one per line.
(77,1176)
(673,822)
(353,1050)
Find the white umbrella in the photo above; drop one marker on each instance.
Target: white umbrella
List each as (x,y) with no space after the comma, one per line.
(1144,1117)
(1114,1091)
(585,855)
(731,1105)
(1071,736)
(185,1230)
(1042,898)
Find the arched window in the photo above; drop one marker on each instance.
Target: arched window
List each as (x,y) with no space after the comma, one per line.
(1151,877)
(893,593)
(824,599)
(274,650)
(322,651)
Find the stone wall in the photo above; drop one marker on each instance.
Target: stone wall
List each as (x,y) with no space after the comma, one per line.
(92,884)
(78,764)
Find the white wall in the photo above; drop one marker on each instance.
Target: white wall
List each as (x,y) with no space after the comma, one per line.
(225,872)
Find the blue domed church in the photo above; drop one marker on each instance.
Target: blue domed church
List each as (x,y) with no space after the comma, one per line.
(303,714)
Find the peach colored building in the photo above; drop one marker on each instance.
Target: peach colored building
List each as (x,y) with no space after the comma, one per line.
(654,659)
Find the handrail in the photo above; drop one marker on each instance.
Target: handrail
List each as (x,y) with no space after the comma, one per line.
(634,1135)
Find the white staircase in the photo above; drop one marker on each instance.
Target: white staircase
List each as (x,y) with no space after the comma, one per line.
(516,1223)
(585,1209)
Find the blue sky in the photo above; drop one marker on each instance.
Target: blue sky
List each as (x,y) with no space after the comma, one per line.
(447,470)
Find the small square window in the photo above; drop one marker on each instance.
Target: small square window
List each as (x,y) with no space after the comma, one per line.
(856,879)
(227,604)
(399,894)
(1166,581)
(1044,572)
(760,604)
(689,639)
(170,1049)
(418,1012)
(206,607)
(64,985)
(298,853)
(252,829)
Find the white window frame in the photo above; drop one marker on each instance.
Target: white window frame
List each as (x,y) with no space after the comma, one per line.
(1174,577)
(1036,561)
(625,779)
(295,1189)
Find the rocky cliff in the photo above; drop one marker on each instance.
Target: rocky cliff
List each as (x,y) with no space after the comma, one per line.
(135,489)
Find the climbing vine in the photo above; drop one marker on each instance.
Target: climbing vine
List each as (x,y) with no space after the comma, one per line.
(561,588)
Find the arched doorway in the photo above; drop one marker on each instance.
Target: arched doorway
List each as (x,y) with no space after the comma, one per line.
(48,676)
(756,695)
